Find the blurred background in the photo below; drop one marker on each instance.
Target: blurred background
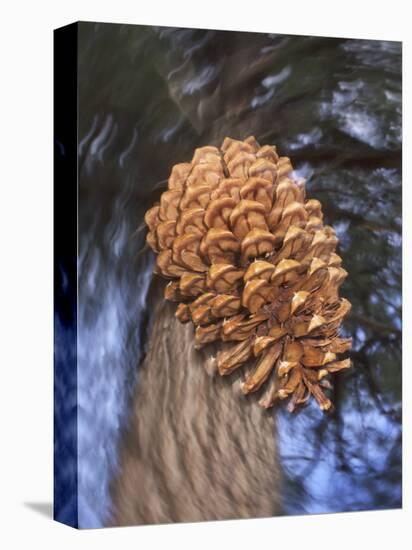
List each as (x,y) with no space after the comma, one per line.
(148,97)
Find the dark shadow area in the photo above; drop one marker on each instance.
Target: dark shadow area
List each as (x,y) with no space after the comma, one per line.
(45,509)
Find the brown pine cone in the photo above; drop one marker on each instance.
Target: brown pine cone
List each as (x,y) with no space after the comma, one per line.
(251,262)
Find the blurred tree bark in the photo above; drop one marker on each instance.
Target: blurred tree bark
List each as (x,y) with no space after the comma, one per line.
(195,448)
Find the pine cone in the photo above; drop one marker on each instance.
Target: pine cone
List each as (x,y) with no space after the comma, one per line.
(250,262)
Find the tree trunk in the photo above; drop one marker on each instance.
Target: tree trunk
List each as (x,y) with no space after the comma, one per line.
(195,448)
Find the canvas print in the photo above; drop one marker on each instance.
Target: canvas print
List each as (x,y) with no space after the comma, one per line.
(228,307)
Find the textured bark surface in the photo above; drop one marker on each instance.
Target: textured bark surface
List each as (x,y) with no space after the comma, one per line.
(195,448)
